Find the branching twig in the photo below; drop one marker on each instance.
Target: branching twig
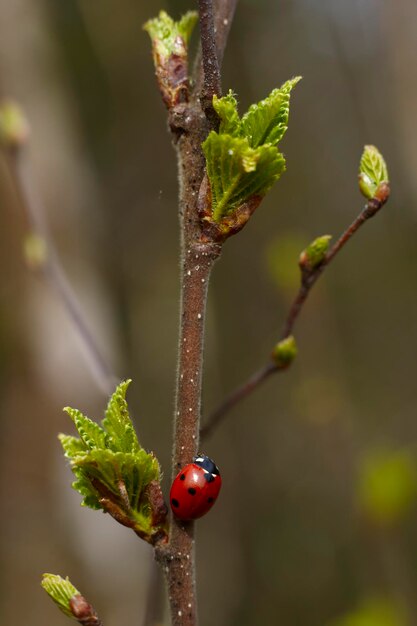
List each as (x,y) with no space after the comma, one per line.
(309,278)
(48,265)
(238,394)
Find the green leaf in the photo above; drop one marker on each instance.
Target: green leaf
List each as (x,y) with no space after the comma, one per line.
(284,352)
(112,471)
(91,434)
(118,424)
(372,171)
(226,109)
(238,172)
(186,25)
(170,55)
(83,485)
(136,471)
(60,590)
(242,161)
(267,121)
(72,445)
(165,32)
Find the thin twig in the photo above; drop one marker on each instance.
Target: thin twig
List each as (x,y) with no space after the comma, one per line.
(210,62)
(235,397)
(51,269)
(308,280)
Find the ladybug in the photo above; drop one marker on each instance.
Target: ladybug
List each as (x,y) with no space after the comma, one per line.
(195,489)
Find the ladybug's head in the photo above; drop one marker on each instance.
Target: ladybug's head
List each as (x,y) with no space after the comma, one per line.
(207,464)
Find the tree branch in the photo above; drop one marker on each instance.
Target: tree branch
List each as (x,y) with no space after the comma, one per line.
(197,258)
(177,558)
(48,265)
(309,278)
(190,121)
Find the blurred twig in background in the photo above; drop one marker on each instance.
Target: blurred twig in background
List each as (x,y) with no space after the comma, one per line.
(310,273)
(39,249)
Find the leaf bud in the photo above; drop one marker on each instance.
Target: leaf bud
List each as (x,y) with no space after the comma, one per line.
(315,253)
(284,352)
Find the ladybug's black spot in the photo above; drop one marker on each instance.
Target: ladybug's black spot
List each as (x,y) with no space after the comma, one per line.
(182,477)
(210,500)
(209,477)
(175,503)
(191,491)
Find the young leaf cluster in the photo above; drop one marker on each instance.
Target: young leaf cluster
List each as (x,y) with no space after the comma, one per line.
(170,54)
(242,158)
(169,35)
(113,472)
(373,171)
(60,590)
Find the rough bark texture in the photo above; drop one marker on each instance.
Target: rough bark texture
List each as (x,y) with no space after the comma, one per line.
(190,127)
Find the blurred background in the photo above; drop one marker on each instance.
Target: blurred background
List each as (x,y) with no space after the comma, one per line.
(316,523)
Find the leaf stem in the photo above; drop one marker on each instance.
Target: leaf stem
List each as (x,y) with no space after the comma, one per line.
(308,280)
(51,269)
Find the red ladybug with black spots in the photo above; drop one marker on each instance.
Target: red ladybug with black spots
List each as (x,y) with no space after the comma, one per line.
(195,489)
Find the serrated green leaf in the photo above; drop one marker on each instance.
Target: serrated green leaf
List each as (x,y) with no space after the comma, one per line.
(102,473)
(83,485)
(226,109)
(60,590)
(112,471)
(72,446)
(136,470)
(186,24)
(238,172)
(267,121)
(91,434)
(372,171)
(118,424)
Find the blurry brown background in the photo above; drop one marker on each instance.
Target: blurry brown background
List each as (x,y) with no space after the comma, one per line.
(293,539)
